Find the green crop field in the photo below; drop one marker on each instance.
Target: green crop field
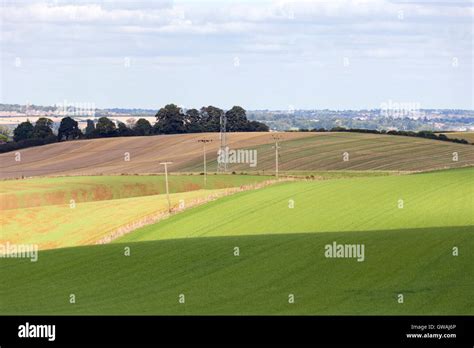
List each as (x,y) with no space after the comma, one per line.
(434,199)
(408,225)
(414,262)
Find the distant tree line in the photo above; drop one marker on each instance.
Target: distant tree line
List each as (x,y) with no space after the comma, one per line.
(27,135)
(170,119)
(420,134)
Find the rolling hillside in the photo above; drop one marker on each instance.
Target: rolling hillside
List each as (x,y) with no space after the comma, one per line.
(435,199)
(72,211)
(302,151)
(408,251)
(325,151)
(37,192)
(416,263)
(57,226)
(108,155)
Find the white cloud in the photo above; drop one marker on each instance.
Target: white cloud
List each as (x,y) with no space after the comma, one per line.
(267,35)
(268,26)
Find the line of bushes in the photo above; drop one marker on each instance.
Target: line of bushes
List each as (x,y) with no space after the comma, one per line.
(420,134)
(17,145)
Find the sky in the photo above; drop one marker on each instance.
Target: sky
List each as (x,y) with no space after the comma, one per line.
(333,54)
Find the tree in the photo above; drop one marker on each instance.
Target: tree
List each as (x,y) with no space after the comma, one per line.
(236,120)
(68,129)
(255,126)
(142,127)
(169,120)
(211,118)
(123,130)
(90,129)
(442,137)
(23,131)
(43,128)
(193,121)
(105,128)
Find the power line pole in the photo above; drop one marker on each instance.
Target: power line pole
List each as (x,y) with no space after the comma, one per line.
(276,137)
(167,187)
(204,142)
(222,167)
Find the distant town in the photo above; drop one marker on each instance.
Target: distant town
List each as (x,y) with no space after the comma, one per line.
(391,116)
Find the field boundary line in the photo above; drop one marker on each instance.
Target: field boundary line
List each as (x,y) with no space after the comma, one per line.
(162,215)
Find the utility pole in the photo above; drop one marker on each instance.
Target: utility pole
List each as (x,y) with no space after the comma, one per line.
(222,167)
(276,137)
(167,187)
(204,141)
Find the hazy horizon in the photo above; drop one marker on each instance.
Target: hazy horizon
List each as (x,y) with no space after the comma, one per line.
(266,109)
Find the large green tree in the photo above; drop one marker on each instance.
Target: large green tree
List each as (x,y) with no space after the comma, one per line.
(255,126)
(105,127)
(236,119)
(142,127)
(43,128)
(23,131)
(68,129)
(211,118)
(90,129)
(193,121)
(169,120)
(123,130)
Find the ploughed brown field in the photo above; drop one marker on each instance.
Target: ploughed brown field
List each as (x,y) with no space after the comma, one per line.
(107,155)
(300,151)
